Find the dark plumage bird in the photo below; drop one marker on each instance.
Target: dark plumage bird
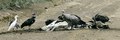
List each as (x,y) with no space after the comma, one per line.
(101,18)
(98,25)
(72,20)
(99,22)
(29,21)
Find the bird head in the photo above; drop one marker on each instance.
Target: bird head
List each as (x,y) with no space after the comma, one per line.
(33,13)
(16,16)
(63,11)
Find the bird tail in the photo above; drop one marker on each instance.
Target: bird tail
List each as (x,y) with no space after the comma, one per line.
(9,28)
(21,26)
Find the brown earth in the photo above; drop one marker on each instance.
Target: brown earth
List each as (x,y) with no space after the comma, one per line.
(83,8)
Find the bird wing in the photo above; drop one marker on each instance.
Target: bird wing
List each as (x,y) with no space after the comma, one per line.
(11,22)
(17,26)
(25,23)
(28,22)
(33,21)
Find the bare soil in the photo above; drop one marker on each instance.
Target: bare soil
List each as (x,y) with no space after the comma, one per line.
(85,9)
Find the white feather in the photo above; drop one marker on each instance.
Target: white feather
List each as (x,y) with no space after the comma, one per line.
(48,27)
(12,25)
(53,26)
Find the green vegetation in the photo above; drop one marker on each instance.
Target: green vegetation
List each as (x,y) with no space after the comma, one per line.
(18,4)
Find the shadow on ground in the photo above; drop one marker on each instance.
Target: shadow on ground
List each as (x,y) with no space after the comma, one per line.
(41,31)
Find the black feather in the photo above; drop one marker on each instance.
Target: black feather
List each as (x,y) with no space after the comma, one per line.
(11,22)
(101,18)
(28,22)
(47,22)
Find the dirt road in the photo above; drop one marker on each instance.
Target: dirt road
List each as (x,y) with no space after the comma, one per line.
(83,8)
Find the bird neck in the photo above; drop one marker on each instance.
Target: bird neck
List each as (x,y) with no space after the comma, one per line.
(15,18)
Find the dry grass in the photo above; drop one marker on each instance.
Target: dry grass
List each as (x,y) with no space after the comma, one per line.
(18,4)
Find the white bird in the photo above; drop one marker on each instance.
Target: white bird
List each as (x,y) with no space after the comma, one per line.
(13,24)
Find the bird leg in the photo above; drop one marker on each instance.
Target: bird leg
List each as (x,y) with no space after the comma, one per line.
(89,26)
(23,28)
(53,28)
(69,27)
(97,27)
(29,28)
(15,29)
(74,27)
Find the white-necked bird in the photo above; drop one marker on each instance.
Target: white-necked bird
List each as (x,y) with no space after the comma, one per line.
(13,24)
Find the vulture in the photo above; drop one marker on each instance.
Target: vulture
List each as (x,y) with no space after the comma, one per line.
(29,21)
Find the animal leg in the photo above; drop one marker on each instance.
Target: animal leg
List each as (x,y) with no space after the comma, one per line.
(23,28)
(97,26)
(89,26)
(74,27)
(14,29)
(29,28)
(69,27)
(53,28)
